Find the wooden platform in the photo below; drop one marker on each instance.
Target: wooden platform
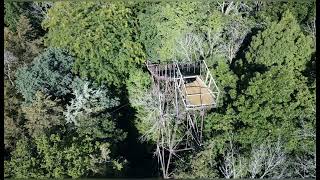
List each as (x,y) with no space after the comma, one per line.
(197,93)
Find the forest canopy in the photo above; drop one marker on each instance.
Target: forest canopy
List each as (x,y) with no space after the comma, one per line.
(80,102)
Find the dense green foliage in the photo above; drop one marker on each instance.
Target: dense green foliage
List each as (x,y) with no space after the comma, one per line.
(280,96)
(164,23)
(88,111)
(303,11)
(103,42)
(64,99)
(11,17)
(58,157)
(267,48)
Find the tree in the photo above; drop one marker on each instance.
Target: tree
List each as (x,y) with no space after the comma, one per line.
(279,97)
(141,98)
(163,25)
(35,11)
(272,11)
(235,31)
(88,100)
(13,116)
(57,157)
(89,111)
(23,164)
(22,42)
(12,13)
(203,42)
(274,100)
(236,8)
(283,43)
(226,79)
(304,163)
(201,164)
(42,114)
(232,165)
(272,106)
(267,159)
(78,158)
(104,51)
(50,73)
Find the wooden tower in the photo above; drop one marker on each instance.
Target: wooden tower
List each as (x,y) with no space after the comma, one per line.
(185,91)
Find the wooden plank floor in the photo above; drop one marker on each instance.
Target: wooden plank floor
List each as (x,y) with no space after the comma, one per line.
(198,87)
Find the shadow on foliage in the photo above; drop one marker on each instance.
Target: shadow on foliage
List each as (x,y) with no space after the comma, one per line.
(141,163)
(310,71)
(244,69)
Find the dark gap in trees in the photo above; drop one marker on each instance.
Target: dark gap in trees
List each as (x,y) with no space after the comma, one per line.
(141,161)
(310,71)
(240,66)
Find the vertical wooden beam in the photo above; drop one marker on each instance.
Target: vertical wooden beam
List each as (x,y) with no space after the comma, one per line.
(207,75)
(210,82)
(202,118)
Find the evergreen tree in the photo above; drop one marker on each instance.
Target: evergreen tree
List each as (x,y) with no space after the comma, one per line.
(283,43)
(50,73)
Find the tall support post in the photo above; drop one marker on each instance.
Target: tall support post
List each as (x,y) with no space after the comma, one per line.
(202,118)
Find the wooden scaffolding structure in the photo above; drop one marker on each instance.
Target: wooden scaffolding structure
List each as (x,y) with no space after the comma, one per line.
(185,92)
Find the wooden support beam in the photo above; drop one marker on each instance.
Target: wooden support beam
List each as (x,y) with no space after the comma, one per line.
(207,75)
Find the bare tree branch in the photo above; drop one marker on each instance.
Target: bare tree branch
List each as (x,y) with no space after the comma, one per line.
(9,60)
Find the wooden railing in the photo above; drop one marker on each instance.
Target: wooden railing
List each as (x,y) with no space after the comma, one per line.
(180,84)
(209,81)
(172,72)
(162,71)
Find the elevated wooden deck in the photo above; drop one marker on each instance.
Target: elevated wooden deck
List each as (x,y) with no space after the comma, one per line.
(198,94)
(194,82)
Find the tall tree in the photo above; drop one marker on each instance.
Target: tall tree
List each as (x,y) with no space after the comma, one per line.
(268,12)
(12,12)
(141,98)
(162,25)
(104,51)
(89,111)
(22,42)
(13,116)
(35,11)
(278,97)
(22,163)
(42,114)
(50,73)
(283,43)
